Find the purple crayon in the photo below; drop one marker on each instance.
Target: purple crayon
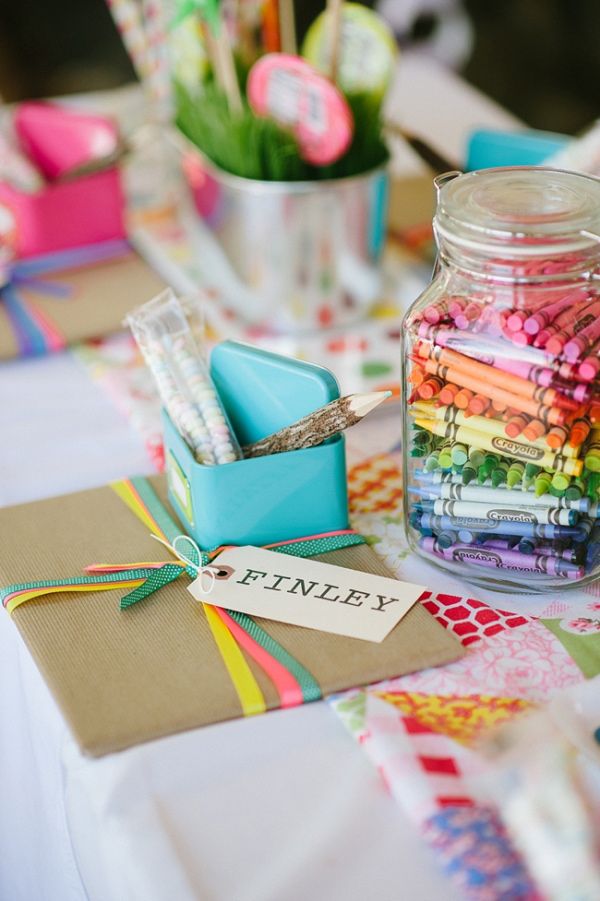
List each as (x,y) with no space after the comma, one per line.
(504,559)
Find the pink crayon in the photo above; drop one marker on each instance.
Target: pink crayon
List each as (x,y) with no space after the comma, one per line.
(497,558)
(541,318)
(585,340)
(590,367)
(566,325)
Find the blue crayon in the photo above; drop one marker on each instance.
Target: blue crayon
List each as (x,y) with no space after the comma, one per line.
(493,527)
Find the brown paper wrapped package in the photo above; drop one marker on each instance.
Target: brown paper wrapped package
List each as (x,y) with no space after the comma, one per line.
(101,297)
(124,677)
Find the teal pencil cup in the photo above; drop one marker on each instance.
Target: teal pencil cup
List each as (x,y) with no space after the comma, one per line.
(261,500)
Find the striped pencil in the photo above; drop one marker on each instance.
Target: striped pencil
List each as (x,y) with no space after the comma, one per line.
(316,427)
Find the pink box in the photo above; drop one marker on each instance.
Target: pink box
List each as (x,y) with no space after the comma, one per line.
(84,211)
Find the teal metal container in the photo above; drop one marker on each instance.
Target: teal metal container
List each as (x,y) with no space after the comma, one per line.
(264,499)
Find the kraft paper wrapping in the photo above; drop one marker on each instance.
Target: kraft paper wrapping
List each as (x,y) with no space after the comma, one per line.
(102,295)
(125,677)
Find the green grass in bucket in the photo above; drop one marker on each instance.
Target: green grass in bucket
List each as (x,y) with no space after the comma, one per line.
(252,147)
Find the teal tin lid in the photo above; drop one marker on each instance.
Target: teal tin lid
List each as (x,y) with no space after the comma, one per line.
(263,391)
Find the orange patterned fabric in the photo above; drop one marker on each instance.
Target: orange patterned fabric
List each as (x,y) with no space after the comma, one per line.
(375,485)
(460,718)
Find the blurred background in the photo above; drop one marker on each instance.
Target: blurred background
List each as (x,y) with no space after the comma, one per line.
(539,58)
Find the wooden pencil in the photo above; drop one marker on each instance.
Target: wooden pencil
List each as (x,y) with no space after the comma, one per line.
(316,427)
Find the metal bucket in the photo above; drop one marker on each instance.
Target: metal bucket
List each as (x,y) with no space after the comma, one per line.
(301,256)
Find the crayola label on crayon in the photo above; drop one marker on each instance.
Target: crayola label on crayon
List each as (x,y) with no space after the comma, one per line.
(503,514)
(516,449)
(476,556)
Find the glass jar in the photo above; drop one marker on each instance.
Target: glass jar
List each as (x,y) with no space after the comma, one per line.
(501,383)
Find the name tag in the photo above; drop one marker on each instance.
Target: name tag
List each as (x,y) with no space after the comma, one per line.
(307,593)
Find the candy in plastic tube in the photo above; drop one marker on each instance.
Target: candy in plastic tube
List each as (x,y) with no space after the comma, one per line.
(186,389)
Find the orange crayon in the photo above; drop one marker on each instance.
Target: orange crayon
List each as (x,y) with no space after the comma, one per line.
(556,437)
(549,397)
(548,415)
(534,430)
(463,399)
(448,393)
(580,430)
(429,388)
(515,425)
(478,404)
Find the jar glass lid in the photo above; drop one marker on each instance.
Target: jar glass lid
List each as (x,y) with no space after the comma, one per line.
(521,210)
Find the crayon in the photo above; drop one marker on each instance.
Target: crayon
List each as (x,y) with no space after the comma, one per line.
(555,339)
(534,430)
(549,397)
(515,473)
(542,483)
(505,513)
(429,388)
(487,426)
(499,397)
(589,367)
(463,399)
(557,437)
(486,527)
(580,429)
(575,490)
(551,549)
(507,448)
(592,457)
(510,560)
(560,481)
(459,453)
(556,492)
(445,455)
(585,340)
(448,393)
(515,425)
(478,404)
(466,316)
(544,317)
(503,496)
(499,473)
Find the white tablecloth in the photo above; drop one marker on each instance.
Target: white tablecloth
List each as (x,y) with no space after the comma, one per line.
(284,806)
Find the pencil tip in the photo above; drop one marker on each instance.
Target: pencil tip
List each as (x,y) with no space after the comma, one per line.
(361,404)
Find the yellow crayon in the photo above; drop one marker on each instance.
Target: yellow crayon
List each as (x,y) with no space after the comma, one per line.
(483,424)
(503,445)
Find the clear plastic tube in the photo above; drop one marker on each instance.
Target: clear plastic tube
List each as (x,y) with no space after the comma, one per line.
(183,380)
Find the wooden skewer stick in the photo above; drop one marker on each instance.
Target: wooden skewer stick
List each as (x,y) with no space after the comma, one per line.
(221,57)
(334,27)
(287,27)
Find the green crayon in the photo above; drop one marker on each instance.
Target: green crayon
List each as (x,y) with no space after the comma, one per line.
(445,457)
(515,473)
(542,484)
(500,473)
(561,481)
(469,473)
(557,492)
(476,457)
(576,489)
(531,471)
(592,456)
(422,436)
(593,485)
(432,461)
(459,453)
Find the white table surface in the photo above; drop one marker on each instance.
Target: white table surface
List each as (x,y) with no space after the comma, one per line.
(283,807)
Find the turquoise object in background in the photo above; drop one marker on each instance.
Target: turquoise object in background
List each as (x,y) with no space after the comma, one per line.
(264,499)
(487,149)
